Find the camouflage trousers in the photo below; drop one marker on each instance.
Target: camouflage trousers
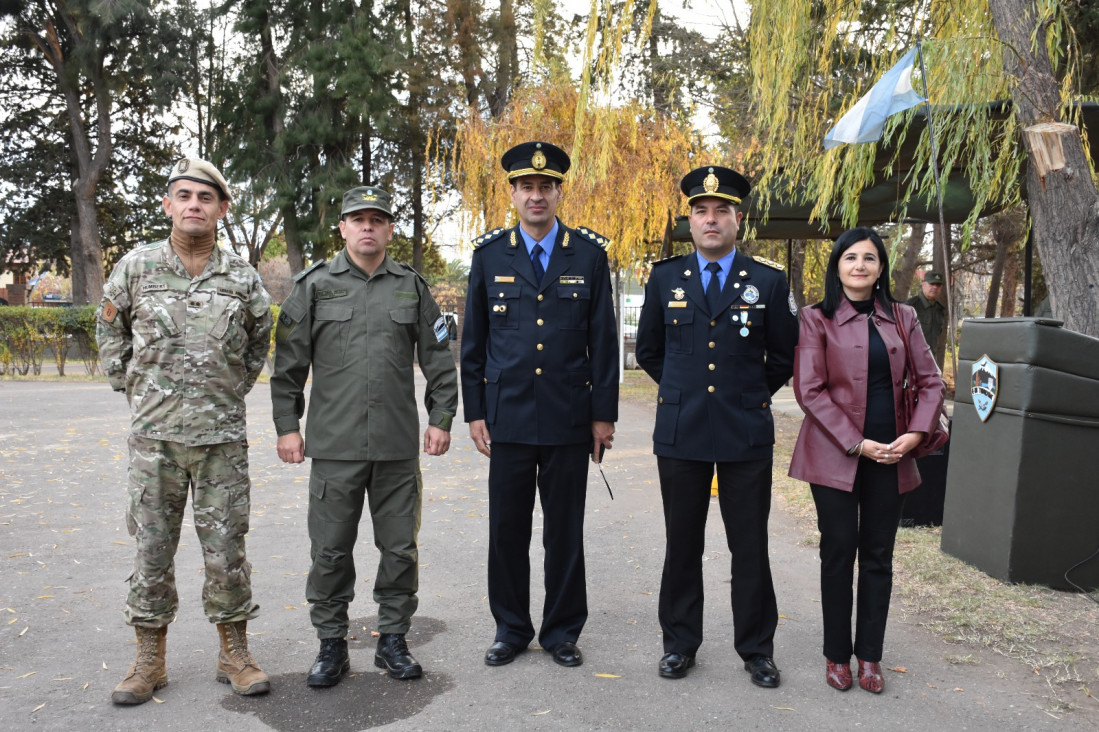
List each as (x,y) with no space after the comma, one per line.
(161,475)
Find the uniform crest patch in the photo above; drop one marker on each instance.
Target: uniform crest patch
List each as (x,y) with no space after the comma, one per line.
(110,312)
(441,331)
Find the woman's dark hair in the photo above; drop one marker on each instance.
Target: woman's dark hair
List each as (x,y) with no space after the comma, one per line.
(833,288)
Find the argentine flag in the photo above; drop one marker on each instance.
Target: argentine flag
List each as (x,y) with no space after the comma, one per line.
(893,93)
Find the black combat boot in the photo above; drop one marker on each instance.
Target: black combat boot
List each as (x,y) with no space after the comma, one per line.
(393,656)
(331,664)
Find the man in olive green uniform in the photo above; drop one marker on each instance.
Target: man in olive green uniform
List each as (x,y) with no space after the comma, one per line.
(932,314)
(358,321)
(183,331)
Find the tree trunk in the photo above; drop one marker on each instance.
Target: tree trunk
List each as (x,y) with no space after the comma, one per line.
(940,262)
(666,242)
(903,275)
(295,256)
(797,271)
(507,59)
(1011,283)
(996,280)
(1064,204)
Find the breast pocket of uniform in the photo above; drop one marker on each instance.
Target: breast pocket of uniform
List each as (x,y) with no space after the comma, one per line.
(404,320)
(503,305)
(678,333)
(667,415)
(575,302)
(229,331)
(749,333)
(331,329)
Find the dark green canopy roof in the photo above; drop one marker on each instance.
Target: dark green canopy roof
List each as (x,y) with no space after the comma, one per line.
(789,219)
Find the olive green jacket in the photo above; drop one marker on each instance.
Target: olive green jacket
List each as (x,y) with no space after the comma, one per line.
(359,334)
(184,350)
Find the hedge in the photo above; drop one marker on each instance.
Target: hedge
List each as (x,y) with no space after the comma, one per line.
(27,333)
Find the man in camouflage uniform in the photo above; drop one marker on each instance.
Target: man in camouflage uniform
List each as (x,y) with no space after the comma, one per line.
(183,330)
(357,321)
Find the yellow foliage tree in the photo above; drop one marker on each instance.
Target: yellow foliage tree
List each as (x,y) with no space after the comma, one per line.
(627,158)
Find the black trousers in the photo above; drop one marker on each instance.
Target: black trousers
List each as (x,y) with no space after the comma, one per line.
(861,523)
(744,496)
(560,473)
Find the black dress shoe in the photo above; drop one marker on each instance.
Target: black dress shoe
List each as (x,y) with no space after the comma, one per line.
(566,653)
(501,653)
(393,656)
(764,671)
(331,664)
(675,665)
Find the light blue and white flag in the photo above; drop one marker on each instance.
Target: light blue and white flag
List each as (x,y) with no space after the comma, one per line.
(864,122)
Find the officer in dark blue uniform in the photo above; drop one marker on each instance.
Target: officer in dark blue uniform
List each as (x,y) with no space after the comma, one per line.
(540,392)
(717,333)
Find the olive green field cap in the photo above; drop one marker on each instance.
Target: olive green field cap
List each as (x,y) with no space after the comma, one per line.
(362,197)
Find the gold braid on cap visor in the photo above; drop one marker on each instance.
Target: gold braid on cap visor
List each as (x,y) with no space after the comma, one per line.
(512,175)
(715,194)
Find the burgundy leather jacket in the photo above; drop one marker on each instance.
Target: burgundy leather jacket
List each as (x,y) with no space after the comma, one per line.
(830,378)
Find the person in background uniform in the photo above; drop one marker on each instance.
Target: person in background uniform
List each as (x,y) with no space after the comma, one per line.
(852,449)
(540,392)
(183,330)
(717,333)
(932,314)
(359,321)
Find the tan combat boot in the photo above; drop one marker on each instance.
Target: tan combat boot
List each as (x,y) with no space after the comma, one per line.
(148,673)
(236,665)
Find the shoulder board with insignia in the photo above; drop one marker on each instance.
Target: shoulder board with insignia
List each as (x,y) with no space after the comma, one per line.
(487,237)
(413,271)
(673,258)
(769,262)
(307,270)
(597,239)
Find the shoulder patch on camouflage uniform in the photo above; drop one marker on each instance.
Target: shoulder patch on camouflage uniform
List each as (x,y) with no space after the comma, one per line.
(769,262)
(307,270)
(598,239)
(487,237)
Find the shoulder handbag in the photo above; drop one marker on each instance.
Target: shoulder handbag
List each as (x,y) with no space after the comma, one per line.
(909,398)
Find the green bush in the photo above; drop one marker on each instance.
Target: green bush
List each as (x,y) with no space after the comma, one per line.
(26,333)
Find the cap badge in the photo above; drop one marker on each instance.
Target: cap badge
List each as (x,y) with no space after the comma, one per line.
(710,183)
(369,197)
(679,293)
(538,160)
(183,165)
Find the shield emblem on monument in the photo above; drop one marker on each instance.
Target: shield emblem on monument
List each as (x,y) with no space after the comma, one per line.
(985,386)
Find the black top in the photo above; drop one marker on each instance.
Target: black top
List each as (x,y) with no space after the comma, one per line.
(881,419)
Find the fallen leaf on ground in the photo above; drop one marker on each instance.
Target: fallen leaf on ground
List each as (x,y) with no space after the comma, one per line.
(898,669)
(158,701)
(539,714)
(38,707)
(607,676)
(29,673)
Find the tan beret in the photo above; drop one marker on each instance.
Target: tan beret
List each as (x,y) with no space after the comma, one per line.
(202,171)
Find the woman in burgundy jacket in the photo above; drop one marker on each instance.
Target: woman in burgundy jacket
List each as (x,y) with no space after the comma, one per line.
(853,449)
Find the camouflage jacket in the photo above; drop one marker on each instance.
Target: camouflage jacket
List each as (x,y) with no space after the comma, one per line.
(184,350)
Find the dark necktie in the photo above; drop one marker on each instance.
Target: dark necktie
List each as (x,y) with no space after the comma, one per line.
(713,290)
(536,260)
